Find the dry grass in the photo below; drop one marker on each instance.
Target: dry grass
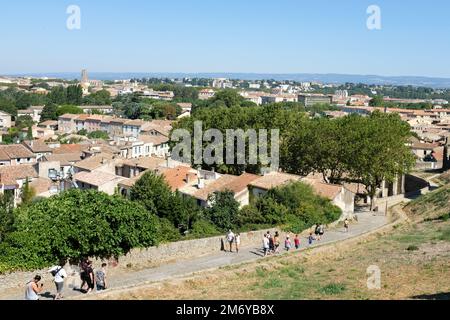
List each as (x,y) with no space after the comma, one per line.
(334,272)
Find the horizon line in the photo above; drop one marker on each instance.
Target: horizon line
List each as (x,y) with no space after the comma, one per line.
(225,72)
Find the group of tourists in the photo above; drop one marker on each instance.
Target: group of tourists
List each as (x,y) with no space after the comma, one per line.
(34,288)
(271,244)
(88,278)
(233,239)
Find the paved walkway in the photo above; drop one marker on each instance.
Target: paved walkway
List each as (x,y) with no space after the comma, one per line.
(366,222)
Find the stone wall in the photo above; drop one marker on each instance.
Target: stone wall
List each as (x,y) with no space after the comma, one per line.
(141,258)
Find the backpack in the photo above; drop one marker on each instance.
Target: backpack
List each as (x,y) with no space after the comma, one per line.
(54,272)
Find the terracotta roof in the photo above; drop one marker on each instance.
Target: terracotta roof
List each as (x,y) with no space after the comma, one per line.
(49,123)
(155,140)
(136,122)
(241,183)
(438,153)
(41,185)
(82,117)
(95,117)
(15,151)
(10,174)
(326,190)
(147,162)
(37,146)
(424,146)
(176,177)
(96,178)
(69,148)
(273,180)
(65,159)
(356,188)
(210,187)
(129,183)
(93,162)
(69,116)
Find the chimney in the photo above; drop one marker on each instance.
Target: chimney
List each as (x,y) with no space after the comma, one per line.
(187,178)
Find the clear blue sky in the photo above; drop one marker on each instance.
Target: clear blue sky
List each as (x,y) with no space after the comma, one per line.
(258,36)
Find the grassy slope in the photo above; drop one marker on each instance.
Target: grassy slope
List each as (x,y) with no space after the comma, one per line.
(413,258)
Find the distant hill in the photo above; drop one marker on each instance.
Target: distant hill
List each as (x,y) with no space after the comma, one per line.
(323,78)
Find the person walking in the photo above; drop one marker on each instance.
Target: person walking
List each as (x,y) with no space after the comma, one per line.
(316,231)
(33,288)
(271,245)
(287,243)
(100,278)
(310,238)
(346,224)
(59,275)
(237,241)
(90,279)
(297,242)
(84,274)
(266,245)
(321,231)
(230,239)
(276,241)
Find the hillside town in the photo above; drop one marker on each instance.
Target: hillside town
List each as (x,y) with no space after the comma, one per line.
(227,155)
(132,147)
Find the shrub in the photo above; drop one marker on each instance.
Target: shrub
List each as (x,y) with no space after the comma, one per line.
(98,135)
(295,206)
(224,210)
(74,224)
(332,289)
(167,231)
(202,228)
(412,248)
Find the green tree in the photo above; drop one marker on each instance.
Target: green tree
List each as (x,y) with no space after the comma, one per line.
(7,217)
(71,109)
(98,135)
(30,133)
(382,154)
(24,122)
(27,193)
(74,95)
(228,97)
(58,96)
(83,132)
(377,101)
(99,98)
(152,191)
(224,209)
(49,112)
(74,224)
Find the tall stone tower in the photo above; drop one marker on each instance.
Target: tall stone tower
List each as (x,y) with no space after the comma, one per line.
(84,76)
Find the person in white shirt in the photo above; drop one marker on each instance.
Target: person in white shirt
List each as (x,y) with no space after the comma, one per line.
(266,244)
(59,275)
(237,241)
(33,289)
(230,239)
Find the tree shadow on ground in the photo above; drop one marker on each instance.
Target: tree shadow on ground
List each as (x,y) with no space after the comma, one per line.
(436,296)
